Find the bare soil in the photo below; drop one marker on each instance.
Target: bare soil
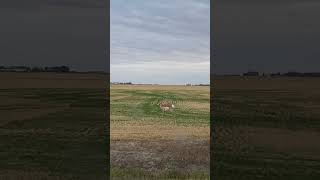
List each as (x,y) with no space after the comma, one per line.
(158,155)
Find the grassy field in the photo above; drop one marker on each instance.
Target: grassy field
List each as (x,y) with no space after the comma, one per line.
(147,143)
(52,126)
(266,128)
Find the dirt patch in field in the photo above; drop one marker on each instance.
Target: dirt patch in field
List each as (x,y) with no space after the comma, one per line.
(160,147)
(161,155)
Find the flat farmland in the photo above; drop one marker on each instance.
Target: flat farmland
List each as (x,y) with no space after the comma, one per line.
(266,128)
(147,143)
(53,126)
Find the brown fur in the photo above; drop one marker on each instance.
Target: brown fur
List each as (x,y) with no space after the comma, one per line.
(165,106)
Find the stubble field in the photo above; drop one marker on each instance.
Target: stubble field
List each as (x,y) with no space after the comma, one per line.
(53,126)
(147,143)
(266,128)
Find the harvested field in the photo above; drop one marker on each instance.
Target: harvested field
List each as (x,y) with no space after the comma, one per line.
(143,130)
(147,143)
(52,126)
(266,128)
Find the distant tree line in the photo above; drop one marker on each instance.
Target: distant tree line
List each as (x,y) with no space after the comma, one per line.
(298,74)
(122,83)
(34,69)
(197,84)
(287,74)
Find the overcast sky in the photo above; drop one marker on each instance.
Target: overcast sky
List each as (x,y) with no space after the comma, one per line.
(266,35)
(164,41)
(54,33)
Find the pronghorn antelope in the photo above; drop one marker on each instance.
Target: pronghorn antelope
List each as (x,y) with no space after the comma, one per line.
(166,106)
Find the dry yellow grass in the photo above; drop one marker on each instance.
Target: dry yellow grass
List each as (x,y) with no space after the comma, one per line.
(156,131)
(124,127)
(191,105)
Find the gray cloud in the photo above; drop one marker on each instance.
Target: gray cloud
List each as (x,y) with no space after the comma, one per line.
(159,29)
(146,35)
(49,33)
(268,36)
